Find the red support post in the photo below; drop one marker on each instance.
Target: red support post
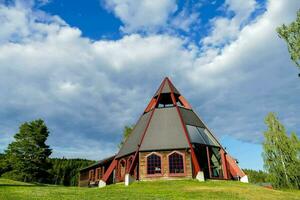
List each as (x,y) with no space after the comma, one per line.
(194,157)
(111,168)
(224,165)
(208,161)
(134,160)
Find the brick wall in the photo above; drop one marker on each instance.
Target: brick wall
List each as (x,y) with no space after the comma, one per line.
(165,166)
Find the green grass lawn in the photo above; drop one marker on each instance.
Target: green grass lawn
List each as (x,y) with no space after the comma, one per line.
(185,189)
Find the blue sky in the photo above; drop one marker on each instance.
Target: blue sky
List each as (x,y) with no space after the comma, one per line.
(90,67)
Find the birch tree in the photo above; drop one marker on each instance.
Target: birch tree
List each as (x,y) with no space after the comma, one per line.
(281,154)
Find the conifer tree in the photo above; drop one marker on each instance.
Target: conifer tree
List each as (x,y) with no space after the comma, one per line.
(281,154)
(28,154)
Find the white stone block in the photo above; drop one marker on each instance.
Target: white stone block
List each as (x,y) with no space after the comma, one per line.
(244,179)
(128,179)
(200,176)
(101,184)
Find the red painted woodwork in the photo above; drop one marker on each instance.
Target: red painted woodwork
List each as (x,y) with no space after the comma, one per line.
(224,164)
(130,171)
(208,161)
(160,164)
(110,170)
(184,102)
(233,168)
(193,155)
(183,163)
(150,105)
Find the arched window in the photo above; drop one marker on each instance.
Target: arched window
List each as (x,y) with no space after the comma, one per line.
(176,163)
(129,162)
(153,164)
(92,175)
(122,168)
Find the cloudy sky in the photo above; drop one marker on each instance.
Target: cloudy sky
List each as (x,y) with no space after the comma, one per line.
(90,67)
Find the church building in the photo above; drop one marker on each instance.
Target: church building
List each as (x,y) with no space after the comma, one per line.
(169,141)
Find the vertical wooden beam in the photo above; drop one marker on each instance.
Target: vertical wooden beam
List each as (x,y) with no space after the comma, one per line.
(113,165)
(135,157)
(224,165)
(194,157)
(208,161)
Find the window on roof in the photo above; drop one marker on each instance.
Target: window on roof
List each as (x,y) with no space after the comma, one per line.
(176,163)
(153,164)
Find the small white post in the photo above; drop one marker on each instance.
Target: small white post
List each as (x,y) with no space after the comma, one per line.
(128,179)
(200,176)
(101,184)
(244,179)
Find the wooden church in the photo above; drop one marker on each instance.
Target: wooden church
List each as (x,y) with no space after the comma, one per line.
(169,141)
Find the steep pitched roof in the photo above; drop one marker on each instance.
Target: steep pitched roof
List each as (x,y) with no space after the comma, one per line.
(167,87)
(161,128)
(165,131)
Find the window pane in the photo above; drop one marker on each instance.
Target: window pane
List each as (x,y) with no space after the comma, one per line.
(195,136)
(153,164)
(176,163)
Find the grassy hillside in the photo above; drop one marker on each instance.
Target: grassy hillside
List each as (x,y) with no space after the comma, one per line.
(188,189)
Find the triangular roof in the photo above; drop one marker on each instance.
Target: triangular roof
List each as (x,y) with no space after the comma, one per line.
(163,125)
(167,87)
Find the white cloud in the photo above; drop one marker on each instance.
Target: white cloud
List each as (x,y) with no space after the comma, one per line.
(242,9)
(90,89)
(226,29)
(185,19)
(150,17)
(145,15)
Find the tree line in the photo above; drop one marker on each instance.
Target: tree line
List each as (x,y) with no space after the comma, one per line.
(27,158)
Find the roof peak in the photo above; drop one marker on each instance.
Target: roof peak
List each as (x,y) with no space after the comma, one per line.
(166,87)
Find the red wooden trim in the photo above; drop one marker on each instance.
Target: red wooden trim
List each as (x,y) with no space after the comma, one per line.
(184,164)
(128,162)
(184,102)
(194,158)
(110,169)
(148,123)
(97,174)
(224,166)
(119,174)
(161,165)
(208,161)
(114,163)
(150,105)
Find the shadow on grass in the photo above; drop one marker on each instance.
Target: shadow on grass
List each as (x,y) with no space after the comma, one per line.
(16,185)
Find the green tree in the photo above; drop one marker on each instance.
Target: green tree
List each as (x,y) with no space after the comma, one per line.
(281,154)
(256,176)
(66,171)
(291,34)
(126,132)
(4,167)
(29,155)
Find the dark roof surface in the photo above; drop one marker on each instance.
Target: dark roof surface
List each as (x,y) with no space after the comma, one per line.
(100,162)
(190,118)
(135,137)
(165,131)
